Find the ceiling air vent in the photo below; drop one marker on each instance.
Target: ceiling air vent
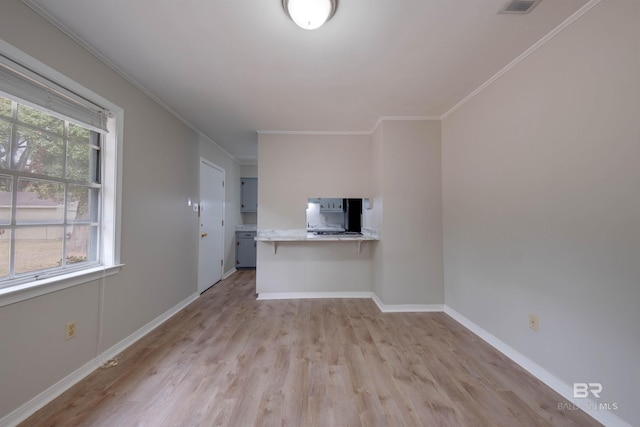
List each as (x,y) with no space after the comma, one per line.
(520,6)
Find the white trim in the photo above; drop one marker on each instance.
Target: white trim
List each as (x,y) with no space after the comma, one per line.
(25,291)
(406,118)
(112,215)
(229,273)
(131,339)
(112,182)
(310,132)
(66,30)
(564,389)
(312,295)
(396,308)
(406,308)
(363,132)
(557,30)
(23,412)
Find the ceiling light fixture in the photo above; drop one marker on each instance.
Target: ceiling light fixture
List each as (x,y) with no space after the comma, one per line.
(310,14)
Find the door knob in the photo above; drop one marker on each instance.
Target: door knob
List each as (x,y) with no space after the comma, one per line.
(203,235)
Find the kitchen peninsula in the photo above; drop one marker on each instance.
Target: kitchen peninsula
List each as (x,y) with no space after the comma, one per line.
(277,236)
(296,264)
(331,257)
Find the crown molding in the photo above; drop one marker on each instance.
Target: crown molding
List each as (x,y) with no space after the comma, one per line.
(544,40)
(402,118)
(76,38)
(310,132)
(362,132)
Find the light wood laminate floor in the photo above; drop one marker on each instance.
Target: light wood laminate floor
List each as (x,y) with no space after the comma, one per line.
(229,360)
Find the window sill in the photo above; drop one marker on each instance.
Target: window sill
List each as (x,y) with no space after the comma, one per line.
(35,289)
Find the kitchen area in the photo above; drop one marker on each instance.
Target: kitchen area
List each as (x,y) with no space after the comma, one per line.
(307,248)
(331,246)
(333,219)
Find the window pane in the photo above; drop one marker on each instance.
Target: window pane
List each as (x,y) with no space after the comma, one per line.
(39,153)
(83,204)
(38,248)
(5,144)
(81,243)
(40,120)
(5,107)
(39,202)
(81,162)
(79,134)
(5,247)
(5,199)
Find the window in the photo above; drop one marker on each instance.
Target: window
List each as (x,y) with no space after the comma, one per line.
(58,179)
(49,192)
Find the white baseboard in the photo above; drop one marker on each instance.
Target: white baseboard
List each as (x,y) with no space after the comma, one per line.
(128,341)
(605,417)
(38,402)
(393,308)
(312,295)
(229,273)
(406,308)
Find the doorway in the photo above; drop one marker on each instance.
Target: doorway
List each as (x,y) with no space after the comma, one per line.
(211,225)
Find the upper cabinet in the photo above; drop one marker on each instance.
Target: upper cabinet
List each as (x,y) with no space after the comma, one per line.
(249,195)
(331,205)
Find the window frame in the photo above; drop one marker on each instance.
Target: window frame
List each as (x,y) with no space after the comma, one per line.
(93,181)
(108,251)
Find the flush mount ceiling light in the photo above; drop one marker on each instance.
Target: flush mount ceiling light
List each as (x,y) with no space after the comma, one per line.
(310,14)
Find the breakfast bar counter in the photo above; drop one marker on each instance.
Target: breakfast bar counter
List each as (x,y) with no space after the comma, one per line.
(301,235)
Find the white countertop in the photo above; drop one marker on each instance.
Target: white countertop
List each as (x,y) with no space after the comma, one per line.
(295,235)
(246,227)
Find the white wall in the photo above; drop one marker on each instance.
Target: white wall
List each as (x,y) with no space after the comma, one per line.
(249,171)
(541,174)
(374,217)
(296,167)
(292,169)
(408,266)
(159,231)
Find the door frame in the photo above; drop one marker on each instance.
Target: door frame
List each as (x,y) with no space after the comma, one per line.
(224,210)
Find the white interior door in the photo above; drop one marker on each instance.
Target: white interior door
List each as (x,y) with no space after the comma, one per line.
(210,262)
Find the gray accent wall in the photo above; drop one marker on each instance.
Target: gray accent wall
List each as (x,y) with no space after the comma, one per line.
(541,184)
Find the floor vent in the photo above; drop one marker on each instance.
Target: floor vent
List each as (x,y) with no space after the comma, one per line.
(520,6)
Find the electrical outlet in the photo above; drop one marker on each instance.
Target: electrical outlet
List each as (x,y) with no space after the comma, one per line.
(70,330)
(533,322)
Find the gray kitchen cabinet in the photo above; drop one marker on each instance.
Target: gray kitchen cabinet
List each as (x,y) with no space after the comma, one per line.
(245,249)
(249,195)
(331,205)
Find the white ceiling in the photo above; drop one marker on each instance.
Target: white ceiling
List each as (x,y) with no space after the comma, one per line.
(232,67)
